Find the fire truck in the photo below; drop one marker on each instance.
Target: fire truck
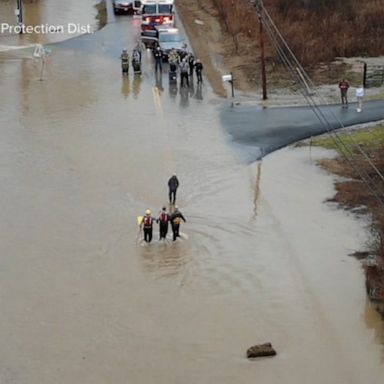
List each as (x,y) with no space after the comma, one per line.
(157,12)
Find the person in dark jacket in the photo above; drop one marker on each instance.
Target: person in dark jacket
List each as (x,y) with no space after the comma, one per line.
(158,59)
(199,69)
(175,219)
(163,220)
(173,184)
(191,63)
(343,86)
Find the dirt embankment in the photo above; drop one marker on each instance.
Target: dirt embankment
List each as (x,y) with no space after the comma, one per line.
(205,33)
(222,51)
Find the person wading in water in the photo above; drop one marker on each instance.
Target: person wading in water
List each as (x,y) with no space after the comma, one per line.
(163,223)
(175,219)
(147,225)
(173,184)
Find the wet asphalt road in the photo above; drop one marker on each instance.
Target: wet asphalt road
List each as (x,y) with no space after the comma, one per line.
(273,128)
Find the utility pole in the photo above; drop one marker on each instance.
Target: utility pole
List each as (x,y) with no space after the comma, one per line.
(259,10)
(19,14)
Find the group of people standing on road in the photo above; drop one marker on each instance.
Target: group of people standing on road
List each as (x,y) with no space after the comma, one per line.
(183,62)
(164,218)
(344,86)
(187,65)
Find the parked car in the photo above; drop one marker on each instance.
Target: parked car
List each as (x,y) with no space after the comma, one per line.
(123,6)
(169,39)
(150,38)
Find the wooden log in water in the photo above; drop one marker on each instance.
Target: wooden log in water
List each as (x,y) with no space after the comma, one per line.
(260,350)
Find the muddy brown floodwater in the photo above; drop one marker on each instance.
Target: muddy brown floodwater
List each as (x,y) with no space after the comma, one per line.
(84,152)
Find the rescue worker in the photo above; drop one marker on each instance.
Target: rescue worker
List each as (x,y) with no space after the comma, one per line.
(184,68)
(173,184)
(344,85)
(173,60)
(139,48)
(158,59)
(136,61)
(124,61)
(147,225)
(163,220)
(199,68)
(175,219)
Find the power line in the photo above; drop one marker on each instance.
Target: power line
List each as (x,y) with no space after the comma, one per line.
(307,87)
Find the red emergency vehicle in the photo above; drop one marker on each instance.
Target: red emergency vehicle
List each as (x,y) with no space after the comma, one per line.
(157,12)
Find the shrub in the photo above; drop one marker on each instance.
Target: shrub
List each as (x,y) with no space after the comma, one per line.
(316,30)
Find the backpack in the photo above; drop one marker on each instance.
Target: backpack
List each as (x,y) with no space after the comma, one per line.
(164,218)
(177,220)
(147,221)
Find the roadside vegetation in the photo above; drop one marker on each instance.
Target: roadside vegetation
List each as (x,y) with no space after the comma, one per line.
(316,30)
(102,15)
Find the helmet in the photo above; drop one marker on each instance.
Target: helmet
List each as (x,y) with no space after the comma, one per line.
(147,212)
(176,207)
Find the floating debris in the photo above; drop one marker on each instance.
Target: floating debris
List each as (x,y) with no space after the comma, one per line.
(260,350)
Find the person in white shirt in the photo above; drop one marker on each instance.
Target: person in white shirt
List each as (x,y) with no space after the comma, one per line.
(359,96)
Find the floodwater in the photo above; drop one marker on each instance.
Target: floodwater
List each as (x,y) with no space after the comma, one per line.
(55,14)
(262,258)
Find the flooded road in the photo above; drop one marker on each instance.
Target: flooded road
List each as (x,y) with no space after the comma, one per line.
(83,153)
(51,13)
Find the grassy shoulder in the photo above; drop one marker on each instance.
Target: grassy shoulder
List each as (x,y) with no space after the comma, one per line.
(370,139)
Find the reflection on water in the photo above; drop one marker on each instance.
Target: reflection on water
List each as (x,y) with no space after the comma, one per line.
(172,89)
(184,97)
(191,87)
(125,86)
(165,258)
(128,85)
(257,189)
(52,13)
(136,85)
(199,92)
(159,81)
